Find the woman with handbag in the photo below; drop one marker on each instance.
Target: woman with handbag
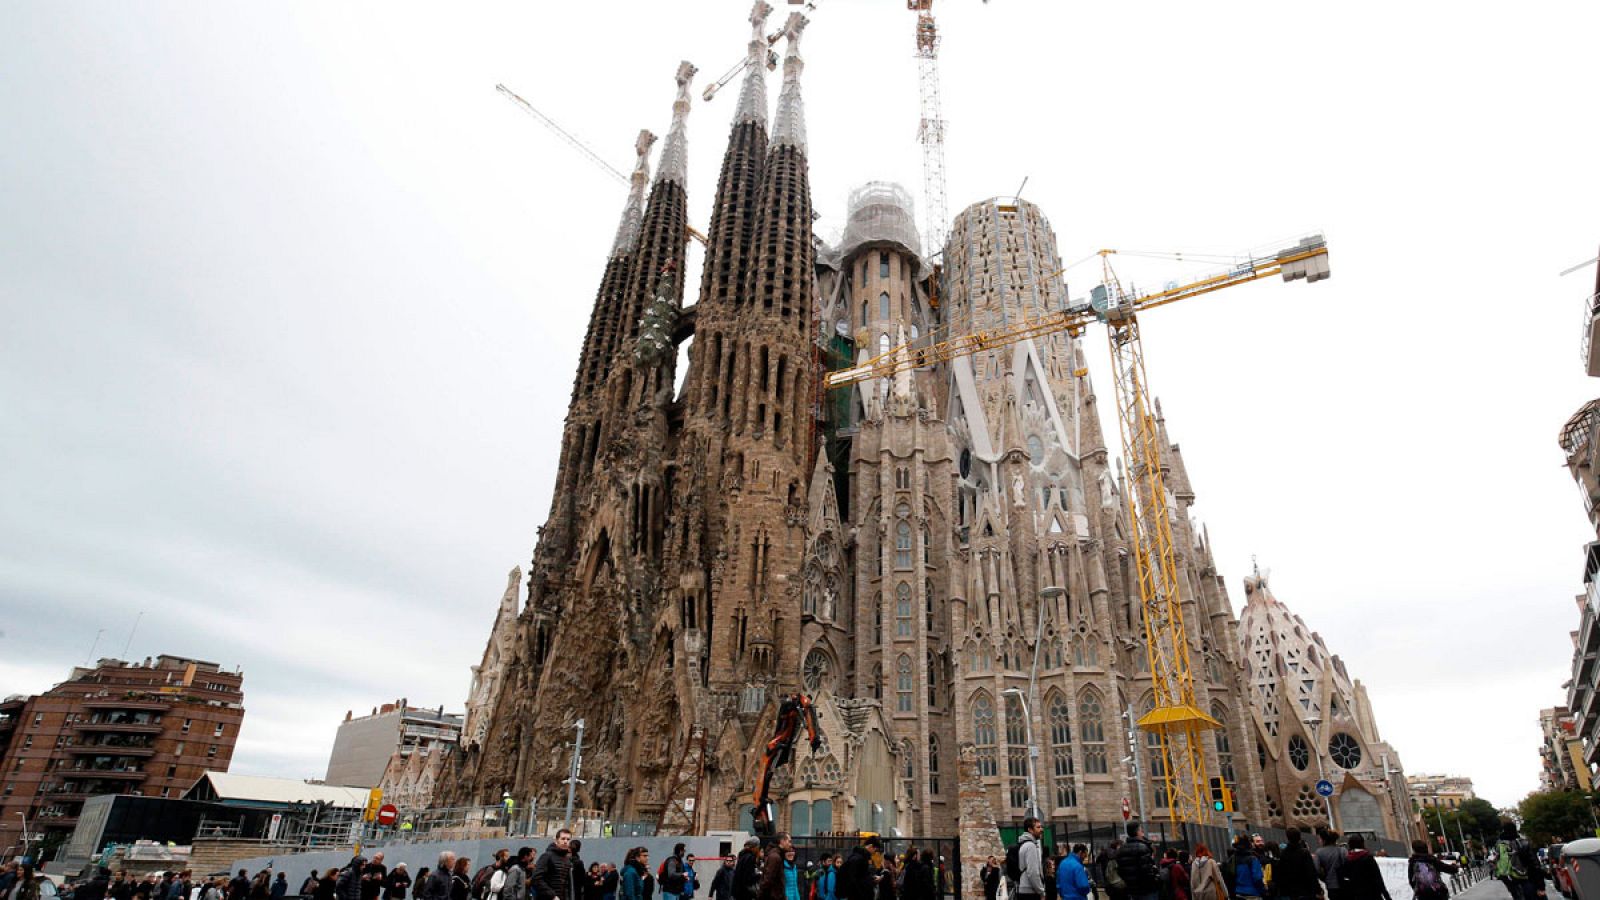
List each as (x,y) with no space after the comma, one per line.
(1205,876)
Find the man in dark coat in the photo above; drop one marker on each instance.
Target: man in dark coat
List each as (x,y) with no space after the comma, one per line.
(858,880)
(747,871)
(1136,863)
(551,878)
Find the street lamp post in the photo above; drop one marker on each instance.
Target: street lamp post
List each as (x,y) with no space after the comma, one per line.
(1047,595)
(1027,718)
(1315,723)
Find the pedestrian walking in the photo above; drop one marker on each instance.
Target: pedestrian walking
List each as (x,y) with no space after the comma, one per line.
(460,880)
(1030,861)
(1425,873)
(397,883)
(1136,865)
(747,871)
(989,877)
(670,877)
(551,878)
(1330,859)
(327,886)
(722,882)
(637,882)
(1174,883)
(1205,876)
(858,878)
(1245,874)
(1106,873)
(1072,876)
(1360,878)
(1516,865)
(516,881)
(373,875)
(827,886)
(440,880)
(280,886)
(1294,877)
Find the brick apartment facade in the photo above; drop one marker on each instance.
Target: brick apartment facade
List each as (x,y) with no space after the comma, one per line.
(149,729)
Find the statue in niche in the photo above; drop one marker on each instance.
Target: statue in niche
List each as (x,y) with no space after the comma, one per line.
(1017,489)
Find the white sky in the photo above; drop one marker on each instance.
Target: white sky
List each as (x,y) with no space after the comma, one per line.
(292,300)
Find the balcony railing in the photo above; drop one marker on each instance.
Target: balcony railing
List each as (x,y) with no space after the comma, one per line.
(120,727)
(127,703)
(110,750)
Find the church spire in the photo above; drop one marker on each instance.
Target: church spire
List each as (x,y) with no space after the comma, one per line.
(753,93)
(790,126)
(675,153)
(633,212)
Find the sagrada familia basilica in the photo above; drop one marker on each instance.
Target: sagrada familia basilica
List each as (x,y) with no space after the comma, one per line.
(908,551)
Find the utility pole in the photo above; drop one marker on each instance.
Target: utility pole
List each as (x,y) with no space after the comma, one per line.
(1133,760)
(577,767)
(1047,596)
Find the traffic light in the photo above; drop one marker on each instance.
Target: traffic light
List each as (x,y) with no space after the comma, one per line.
(1221,796)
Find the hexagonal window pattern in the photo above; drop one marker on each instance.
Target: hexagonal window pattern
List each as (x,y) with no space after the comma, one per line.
(1345,751)
(1299,753)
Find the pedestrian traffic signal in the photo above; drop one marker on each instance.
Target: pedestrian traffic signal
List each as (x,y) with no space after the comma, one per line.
(1221,796)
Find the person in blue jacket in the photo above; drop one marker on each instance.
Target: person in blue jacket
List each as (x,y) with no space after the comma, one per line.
(1072,879)
(1248,877)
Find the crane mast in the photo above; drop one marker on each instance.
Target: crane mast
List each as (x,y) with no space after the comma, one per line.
(930,133)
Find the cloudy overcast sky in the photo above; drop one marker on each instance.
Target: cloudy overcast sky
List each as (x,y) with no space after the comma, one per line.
(292,300)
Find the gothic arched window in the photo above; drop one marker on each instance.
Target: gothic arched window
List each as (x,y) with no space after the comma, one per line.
(902,544)
(902,610)
(1224,744)
(902,684)
(983,734)
(883,305)
(1092,730)
(1061,752)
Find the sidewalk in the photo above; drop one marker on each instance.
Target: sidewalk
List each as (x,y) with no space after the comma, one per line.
(1490,889)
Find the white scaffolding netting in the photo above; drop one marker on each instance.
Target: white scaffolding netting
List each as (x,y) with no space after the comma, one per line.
(881,212)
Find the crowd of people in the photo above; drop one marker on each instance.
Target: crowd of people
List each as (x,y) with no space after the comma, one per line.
(1338,868)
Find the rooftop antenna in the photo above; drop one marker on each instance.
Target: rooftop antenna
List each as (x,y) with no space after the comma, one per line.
(94,646)
(131,633)
(1018,195)
(1582,265)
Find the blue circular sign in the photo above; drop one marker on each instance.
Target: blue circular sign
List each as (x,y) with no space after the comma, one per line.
(1325,788)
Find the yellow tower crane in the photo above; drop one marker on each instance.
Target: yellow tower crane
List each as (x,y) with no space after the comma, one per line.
(1177,718)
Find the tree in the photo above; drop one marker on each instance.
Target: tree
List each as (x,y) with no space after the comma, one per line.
(1551,815)
(1480,820)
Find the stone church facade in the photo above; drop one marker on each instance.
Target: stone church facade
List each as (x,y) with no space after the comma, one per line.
(885,547)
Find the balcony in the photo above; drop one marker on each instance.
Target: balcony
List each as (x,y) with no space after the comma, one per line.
(116,703)
(119,728)
(111,750)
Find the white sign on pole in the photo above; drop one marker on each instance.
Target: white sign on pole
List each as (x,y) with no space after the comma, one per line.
(272,829)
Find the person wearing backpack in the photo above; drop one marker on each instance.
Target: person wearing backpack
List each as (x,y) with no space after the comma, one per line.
(1294,877)
(1136,864)
(1516,865)
(1330,859)
(1361,878)
(670,875)
(1072,879)
(1106,872)
(1245,875)
(1425,873)
(1030,861)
